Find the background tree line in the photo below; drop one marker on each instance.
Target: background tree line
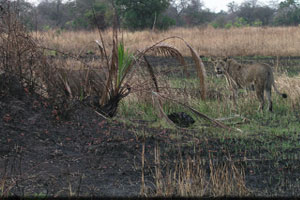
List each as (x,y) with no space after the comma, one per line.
(162,14)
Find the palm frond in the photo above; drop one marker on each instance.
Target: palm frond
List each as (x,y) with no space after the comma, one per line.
(166,50)
(220,124)
(151,72)
(158,105)
(101,48)
(126,61)
(200,70)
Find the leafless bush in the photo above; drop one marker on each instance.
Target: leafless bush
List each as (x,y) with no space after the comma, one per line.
(20,56)
(24,65)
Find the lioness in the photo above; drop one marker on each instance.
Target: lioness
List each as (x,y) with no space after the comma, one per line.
(244,75)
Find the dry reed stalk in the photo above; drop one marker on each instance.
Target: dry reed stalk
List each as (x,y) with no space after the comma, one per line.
(158,173)
(227,180)
(143,188)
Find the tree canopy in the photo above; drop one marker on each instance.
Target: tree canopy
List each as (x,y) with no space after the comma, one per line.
(142,14)
(158,14)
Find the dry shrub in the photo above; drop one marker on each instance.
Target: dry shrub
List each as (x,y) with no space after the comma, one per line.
(21,59)
(73,78)
(24,62)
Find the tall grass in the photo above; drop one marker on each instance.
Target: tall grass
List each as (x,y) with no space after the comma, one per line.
(263,41)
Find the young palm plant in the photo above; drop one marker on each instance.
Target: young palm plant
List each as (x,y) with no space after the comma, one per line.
(116,88)
(121,64)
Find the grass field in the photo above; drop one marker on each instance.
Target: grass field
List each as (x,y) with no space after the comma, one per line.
(258,156)
(249,41)
(265,146)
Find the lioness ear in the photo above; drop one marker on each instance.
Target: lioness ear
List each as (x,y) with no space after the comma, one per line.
(225,59)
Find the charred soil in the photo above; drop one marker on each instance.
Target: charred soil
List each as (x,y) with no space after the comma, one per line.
(87,155)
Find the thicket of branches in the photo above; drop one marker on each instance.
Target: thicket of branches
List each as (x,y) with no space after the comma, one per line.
(23,63)
(161,14)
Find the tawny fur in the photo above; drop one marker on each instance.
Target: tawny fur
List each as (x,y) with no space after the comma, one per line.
(244,75)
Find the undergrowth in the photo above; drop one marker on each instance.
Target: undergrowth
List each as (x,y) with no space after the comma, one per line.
(277,132)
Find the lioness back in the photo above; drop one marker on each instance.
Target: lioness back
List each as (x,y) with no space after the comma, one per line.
(259,73)
(245,74)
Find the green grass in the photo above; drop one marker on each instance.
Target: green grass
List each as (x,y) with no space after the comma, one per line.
(273,135)
(268,144)
(137,110)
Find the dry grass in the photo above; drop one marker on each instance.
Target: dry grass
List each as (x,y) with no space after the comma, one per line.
(291,86)
(190,178)
(269,41)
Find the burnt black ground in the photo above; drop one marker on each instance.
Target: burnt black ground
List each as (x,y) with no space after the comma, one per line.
(83,156)
(90,156)
(87,155)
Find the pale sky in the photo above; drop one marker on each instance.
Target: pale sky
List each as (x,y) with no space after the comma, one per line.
(218,5)
(213,5)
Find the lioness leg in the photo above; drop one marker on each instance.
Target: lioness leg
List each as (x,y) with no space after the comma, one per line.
(260,96)
(269,93)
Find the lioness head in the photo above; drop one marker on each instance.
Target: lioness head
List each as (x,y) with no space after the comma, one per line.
(220,66)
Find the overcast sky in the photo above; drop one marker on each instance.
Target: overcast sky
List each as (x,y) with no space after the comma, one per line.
(213,5)
(218,5)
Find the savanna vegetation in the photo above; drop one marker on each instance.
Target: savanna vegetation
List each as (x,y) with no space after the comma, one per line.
(103,112)
(154,14)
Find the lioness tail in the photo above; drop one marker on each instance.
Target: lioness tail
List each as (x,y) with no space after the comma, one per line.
(283,95)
